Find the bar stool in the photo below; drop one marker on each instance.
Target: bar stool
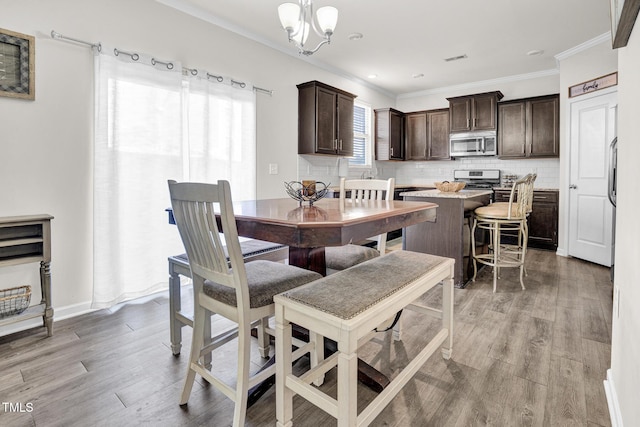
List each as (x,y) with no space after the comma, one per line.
(505,216)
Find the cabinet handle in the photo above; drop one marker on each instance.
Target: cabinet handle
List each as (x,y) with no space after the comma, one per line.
(475,121)
(468,123)
(335,144)
(539,197)
(391,151)
(341,144)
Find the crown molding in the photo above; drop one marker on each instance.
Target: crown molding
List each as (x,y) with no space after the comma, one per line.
(602,38)
(482,83)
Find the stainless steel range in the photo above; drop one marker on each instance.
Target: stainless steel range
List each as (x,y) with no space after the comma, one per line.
(478,178)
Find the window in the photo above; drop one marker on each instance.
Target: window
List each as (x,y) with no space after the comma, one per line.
(361,135)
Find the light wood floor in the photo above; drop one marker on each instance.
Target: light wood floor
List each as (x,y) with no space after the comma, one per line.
(536,357)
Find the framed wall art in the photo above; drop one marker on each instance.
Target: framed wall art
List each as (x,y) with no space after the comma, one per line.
(17,65)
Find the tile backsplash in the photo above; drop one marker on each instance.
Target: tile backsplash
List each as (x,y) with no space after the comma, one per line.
(325,168)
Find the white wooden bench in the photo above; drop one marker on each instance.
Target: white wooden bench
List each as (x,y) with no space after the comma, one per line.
(252,250)
(346,307)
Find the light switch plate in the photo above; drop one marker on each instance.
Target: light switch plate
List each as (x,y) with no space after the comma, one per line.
(273,169)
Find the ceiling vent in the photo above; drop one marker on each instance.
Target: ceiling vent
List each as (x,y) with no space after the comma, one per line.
(455,58)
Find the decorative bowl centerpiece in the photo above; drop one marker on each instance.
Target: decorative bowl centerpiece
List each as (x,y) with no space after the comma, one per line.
(449,187)
(306,191)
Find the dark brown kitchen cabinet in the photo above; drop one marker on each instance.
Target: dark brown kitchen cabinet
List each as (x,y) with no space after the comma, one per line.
(325,120)
(529,127)
(474,112)
(416,126)
(543,220)
(438,134)
(427,135)
(389,134)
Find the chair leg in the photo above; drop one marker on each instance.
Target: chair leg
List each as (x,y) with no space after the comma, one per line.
(175,304)
(207,338)
(263,338)
(496,254)
(525,240)
(317,354)
(197,342)
(242,382)
(284,395)
(473,249)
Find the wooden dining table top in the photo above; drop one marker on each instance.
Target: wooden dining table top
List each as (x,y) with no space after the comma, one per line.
(329,222)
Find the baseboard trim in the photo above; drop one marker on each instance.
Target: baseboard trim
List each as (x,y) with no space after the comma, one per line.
(612,401)
(59,313)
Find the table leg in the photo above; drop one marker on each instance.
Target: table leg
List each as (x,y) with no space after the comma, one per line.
(308,258)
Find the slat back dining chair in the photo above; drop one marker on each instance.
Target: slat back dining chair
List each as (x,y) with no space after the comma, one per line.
(224,284)
(505,216)
(356,191)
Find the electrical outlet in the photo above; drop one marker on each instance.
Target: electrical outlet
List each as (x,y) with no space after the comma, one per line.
(273,169)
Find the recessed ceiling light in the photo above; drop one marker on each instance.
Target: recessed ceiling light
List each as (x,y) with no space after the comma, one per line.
(372,76)
(418,76)
(535,52)
(456,58)
(355,36)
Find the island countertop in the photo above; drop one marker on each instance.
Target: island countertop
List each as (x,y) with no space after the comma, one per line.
(462,194)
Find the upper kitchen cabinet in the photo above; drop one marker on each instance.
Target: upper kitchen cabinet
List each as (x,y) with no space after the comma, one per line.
(325,120)
(438,134)
(416,126)
(389,135)
(427,135)
(474,112)
(529,127)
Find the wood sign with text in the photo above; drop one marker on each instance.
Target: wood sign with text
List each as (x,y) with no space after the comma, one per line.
(594,85)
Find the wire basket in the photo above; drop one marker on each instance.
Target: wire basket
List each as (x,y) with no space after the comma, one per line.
(14,300)
(306,191)
(449,187)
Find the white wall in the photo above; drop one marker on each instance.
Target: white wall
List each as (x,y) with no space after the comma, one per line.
(46,145)
(588,64)
(625,345)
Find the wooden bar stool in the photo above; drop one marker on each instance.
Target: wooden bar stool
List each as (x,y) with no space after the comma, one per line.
(505,216)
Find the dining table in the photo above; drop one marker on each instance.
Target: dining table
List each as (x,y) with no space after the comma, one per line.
(307,229)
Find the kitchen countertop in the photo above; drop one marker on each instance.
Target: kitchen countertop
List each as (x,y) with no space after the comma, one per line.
(534,189)
(462,194)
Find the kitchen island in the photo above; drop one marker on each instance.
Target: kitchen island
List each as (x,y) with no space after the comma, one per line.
(449,235)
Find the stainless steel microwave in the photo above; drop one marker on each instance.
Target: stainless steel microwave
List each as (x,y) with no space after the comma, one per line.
(473,144)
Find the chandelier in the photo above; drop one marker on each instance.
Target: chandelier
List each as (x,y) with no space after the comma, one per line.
(297,19)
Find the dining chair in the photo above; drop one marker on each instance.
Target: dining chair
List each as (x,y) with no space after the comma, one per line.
(508,216)
(358,191)
(241,292)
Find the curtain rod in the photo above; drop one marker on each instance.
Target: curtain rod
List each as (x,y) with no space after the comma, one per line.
(57,36)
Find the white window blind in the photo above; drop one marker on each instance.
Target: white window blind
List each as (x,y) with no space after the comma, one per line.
(361,135)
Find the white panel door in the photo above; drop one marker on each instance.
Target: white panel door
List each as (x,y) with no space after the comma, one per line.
(593,127)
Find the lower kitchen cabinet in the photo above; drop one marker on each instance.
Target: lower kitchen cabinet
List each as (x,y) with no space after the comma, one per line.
(543,220)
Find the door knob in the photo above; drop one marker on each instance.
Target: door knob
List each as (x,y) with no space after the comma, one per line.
(573,186)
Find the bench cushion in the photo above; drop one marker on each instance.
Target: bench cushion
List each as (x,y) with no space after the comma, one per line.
(265,279)
(350,292)
(248,247)
(343,257)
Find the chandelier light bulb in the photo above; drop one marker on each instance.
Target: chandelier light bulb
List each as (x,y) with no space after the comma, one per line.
(297,19)
(327,19)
